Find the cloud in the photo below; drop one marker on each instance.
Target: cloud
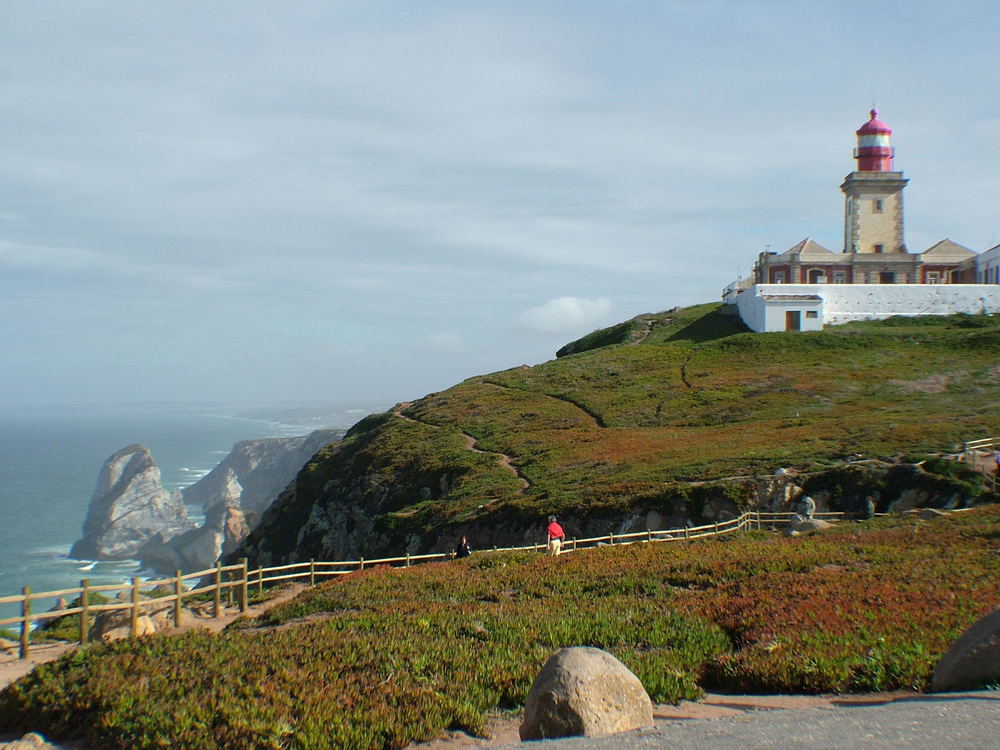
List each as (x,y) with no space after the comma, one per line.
(565,315)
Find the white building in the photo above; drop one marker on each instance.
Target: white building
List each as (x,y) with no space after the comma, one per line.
(874,276)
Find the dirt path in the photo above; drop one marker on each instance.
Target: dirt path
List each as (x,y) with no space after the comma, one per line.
(470,443)
(642,333)
(12,667)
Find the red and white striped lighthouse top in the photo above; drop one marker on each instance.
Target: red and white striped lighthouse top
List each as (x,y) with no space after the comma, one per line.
(874,152)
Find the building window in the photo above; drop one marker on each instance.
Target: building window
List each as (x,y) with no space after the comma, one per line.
(877,248)
(779,277)
(887,277)
(933,277)
(878,205)
(839,277)
(812,314)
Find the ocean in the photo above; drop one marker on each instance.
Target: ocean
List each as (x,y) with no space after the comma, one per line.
(50,459)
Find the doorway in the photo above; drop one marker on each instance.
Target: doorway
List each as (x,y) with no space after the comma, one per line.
(793,320)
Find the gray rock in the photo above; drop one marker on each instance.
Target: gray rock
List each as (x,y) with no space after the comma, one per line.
(807,525)
(930,514)
(233,494)
(30,741)
(256,471)
(129,507)
(115,625)
(973,660)
(584,691)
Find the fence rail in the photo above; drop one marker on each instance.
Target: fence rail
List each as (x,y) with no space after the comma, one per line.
(142,597)
(972,453)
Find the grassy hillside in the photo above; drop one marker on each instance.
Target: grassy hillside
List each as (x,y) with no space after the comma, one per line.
(641,416)
(383,657)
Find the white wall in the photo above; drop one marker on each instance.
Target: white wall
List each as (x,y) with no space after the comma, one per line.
(843,303)
(988,266)
(760,315)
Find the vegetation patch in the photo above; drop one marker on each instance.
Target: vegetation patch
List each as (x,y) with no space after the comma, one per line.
(384,657)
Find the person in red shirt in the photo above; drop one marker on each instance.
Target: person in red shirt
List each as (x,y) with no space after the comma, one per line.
(556,536)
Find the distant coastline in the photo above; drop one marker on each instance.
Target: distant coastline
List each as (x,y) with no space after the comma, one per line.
(50,457)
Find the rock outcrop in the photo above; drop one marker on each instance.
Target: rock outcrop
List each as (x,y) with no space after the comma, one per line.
(256,471)
(132,516)
(973,660)
(234,495)
(353,499)
(584,691)
(129,507)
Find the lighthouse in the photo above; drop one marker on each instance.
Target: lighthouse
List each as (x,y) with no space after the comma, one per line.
(873,208)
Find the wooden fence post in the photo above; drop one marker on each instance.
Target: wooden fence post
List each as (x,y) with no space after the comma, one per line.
(312,571)
(362,564)
(84,623)
(407,559)
(178,592)
(243,585)
(260,580)
(649,535)
(216,610)
(574,544)
(612,537)
(685,532)
(133,615)
(716,528)
(25,624)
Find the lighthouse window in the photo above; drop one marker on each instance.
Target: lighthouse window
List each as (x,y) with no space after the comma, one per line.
(877,248)
(878,206)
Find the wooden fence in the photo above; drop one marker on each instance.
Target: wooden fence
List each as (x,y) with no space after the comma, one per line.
(236,581)
(972,453)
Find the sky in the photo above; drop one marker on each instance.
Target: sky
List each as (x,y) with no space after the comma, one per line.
(370,200)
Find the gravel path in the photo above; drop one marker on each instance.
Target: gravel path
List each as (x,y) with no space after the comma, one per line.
(957,721)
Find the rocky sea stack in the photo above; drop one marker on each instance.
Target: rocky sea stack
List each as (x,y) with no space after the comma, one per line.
(132,516)
(129,507)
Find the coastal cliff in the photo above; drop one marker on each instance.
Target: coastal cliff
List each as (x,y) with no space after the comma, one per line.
(233,496)
(665,419)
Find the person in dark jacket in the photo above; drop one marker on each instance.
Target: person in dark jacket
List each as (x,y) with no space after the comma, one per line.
(463,549)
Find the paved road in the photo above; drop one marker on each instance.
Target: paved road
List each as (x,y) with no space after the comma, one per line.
(956,721)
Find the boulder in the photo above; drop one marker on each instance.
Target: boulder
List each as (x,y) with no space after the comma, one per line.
(929,514)
(162,616)
(973,660)
(114,625)
(30,741)
(654,520)
(128,508)
(799,525)
(584,691)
